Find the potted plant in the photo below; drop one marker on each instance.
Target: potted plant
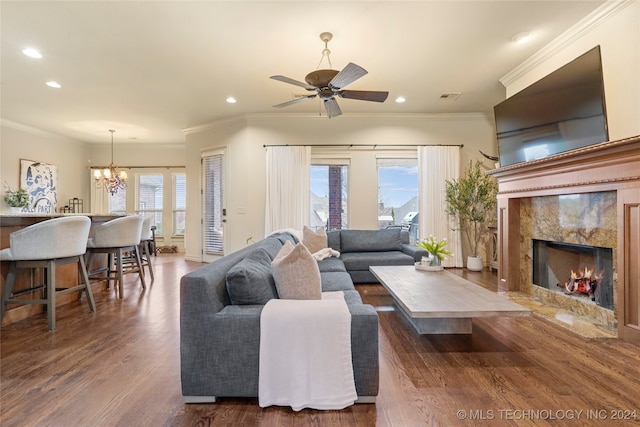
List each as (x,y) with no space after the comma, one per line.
(436,248)
(472,200)
(18,199)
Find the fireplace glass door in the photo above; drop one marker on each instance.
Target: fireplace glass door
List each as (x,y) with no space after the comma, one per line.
(580,271)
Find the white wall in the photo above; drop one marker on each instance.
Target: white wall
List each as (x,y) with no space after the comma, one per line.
(244,138)
(136,154)
(20,142)
(616,28)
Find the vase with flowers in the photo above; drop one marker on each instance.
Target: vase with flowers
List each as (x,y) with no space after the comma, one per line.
(437,249)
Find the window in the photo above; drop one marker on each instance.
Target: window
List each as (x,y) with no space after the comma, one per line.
(398,194)
(150,198)
(329,196)
(158,191)
(179,203)
(118,202)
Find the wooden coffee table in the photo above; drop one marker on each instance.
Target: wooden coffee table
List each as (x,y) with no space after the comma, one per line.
(439,302)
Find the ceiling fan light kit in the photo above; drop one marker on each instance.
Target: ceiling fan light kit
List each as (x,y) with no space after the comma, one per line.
(329,83)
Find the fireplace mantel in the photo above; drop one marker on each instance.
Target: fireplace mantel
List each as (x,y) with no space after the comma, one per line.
(609,166)
(606,166)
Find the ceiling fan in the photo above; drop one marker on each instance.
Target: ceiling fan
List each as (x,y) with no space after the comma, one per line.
(328,84)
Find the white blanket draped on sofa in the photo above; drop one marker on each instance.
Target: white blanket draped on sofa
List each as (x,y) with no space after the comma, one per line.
(305,354)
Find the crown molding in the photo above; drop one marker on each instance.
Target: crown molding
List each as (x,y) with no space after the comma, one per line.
(376,116)
(582,27)
(215,124)
(36,131)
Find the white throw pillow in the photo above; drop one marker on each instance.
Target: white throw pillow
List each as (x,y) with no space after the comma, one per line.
(296,273)
(314,240)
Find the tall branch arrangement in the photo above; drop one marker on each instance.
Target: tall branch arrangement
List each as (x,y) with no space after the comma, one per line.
(472,200)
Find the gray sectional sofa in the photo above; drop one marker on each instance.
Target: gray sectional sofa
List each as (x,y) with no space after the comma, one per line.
(220,341)
(360,249)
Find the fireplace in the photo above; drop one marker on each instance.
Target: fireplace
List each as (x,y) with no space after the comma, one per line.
(582,272)
(565,234)
(600,185)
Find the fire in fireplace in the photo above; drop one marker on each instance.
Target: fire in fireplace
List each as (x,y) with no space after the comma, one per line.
(581,271)
(584,282)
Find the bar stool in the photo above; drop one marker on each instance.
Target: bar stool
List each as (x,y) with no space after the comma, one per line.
(146,240)
(45,245)
(115,238)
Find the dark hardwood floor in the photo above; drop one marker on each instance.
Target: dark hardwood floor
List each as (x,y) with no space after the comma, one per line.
(120,367)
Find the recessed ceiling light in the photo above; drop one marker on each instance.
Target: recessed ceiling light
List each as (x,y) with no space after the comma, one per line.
(231,100)
(54,84)
(522,37)
(32,53)
(400,99)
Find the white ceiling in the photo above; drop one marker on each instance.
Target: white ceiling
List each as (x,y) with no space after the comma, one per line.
(150,69)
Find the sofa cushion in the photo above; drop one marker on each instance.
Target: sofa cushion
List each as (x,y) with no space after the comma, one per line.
(272,245)
(333,240)
(296,273)
(331,264)
(336,281)
(363,276)
(283,237)
(251,281)
(370,240)
(352,297)
(362,260)
(314,240)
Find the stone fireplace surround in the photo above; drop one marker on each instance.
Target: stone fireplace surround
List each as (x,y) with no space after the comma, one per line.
(607,175)
(582,219)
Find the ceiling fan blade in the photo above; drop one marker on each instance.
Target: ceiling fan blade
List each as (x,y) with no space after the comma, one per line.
(293,82)
(349,74)
(332,107)
(295,101)
(364,95)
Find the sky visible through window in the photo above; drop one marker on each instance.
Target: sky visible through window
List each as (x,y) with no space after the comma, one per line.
(397,184)
(320,181)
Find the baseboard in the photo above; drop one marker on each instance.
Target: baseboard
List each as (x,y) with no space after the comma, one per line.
(199,399)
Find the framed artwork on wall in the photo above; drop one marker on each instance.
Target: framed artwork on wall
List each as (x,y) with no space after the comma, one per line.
(41,182)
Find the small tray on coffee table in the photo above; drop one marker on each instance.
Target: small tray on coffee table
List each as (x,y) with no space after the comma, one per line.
(419,266)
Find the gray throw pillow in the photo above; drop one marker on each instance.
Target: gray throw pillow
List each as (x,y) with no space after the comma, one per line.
(251,280)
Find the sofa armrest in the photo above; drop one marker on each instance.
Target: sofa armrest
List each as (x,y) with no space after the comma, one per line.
(223,358)
(226,360)
(364,349)
(203,297)
(414,251)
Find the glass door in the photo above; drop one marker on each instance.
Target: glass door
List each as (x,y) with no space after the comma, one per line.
(214,213)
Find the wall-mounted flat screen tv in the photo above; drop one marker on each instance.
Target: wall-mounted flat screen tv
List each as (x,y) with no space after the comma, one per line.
(560,112)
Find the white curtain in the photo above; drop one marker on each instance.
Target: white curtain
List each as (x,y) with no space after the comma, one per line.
(288,187)
(436,164)
(99,197)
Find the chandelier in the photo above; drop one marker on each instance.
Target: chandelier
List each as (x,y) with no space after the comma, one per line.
(109,177)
